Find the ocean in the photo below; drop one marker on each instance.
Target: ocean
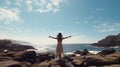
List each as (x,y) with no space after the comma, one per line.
(71,48)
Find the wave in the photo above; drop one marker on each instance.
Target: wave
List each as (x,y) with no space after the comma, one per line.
(67,53)
(94,52)
(45,49)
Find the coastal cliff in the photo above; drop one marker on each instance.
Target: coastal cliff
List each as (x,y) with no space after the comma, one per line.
(109,41)
(9,45)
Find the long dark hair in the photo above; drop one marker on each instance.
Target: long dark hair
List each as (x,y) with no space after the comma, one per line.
(59,36)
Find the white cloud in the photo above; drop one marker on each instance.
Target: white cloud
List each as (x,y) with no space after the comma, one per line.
(47,6)
(43,2)
(56,10)
(77,22)
(107,27)
(18,3)
(29,5)
(45,9)
(14,29)
(84,22)
(8,3)
(40,6)
(56,3)
(9,15)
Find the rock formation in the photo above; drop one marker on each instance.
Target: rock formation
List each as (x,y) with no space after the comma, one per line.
(8,45)
(109,41)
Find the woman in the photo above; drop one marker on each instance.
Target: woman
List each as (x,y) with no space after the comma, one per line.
(59,48)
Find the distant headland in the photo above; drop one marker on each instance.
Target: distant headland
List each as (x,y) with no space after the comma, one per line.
(109,41)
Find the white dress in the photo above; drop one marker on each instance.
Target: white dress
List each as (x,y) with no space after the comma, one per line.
(59,48)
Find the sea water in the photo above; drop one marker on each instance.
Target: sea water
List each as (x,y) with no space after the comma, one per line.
(71,48)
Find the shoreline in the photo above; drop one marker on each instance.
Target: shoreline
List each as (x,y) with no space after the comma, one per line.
(47,59)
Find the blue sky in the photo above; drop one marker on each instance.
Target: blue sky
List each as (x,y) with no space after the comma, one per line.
(87,21)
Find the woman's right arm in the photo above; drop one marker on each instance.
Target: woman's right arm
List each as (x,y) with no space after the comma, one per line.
(52,37)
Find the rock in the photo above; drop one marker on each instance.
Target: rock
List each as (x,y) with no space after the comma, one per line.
(2,58)
(26,64)
(78,52)
(52,62)
(9,54)
(44,64)
(93,61)
(69,64)
(7,45)
(51,55)
(62,62)
(85,52)
(10,63)
(114,65)
(107,51)
(45,56)
(70,57)
(42,58)
(55,66)
(97,60)
(15,65)
(19,56)
(93,66)
(29,56)
(77,63)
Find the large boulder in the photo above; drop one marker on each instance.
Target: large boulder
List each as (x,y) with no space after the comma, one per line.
(10,63)
(85,52)
(42,58)
(45,56)
(28,56)
(62,62)
(78,52)
(43,64)
(97,60)
(9,54)
(51,55)
(107,51)
(70,57)
(52,62)
(93,61)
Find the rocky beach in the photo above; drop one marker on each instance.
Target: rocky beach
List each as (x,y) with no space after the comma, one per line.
(17,55)
(105,58)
